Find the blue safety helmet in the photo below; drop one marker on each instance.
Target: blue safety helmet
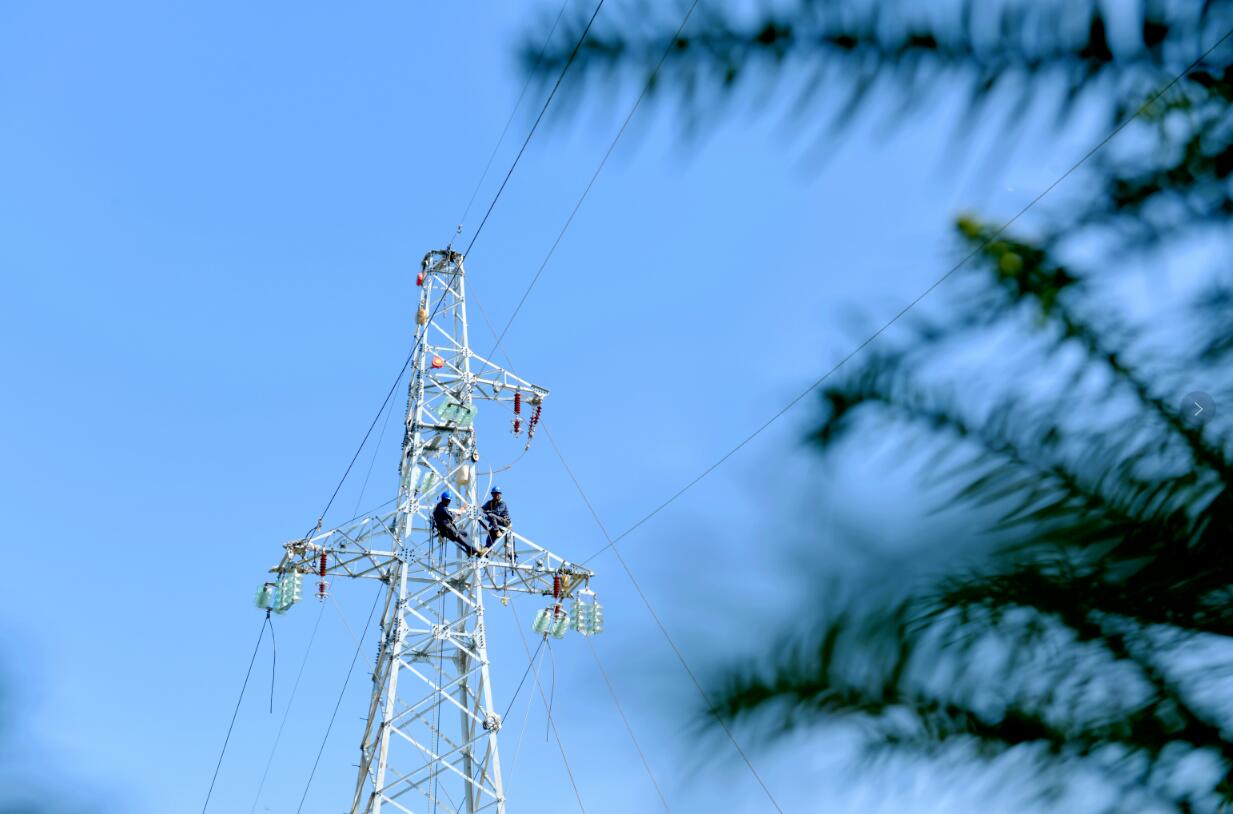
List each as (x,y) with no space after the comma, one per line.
(496,490)
(445,496)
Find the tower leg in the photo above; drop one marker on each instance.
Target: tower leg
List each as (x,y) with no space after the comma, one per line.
(381,670)
(492,768)
(390,691)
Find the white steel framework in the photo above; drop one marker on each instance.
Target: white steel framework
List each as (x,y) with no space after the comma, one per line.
(430,742)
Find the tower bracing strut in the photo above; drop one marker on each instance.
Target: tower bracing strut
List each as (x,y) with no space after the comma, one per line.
(430,743)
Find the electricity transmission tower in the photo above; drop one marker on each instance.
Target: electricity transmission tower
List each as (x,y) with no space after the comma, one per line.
(430,743)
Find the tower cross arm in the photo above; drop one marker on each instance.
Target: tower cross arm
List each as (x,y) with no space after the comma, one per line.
(518,564)
(494,383)
(368,549)
(362,549)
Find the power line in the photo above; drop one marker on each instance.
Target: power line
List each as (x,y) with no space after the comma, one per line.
(358,646)
(535,279)
(621,711)
(286,712)
(548,710)
(612,541)
(517,104)
(594,653)
(526,719)
(273,664)
(389,394)
(299,675)
(662,629)
(243,687)
(369,512)
(573,54)
(342,617)
(530,664)
(552,691)
(990,239)
(373,461)
(496,344)
(646,87)
(474,237)
(385,402)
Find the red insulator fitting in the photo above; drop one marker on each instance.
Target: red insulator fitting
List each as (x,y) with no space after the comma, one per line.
(323,565)
(517,402)
(534,420)
(517,425)
(556,587)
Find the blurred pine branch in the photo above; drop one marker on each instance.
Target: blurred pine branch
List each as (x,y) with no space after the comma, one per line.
(1107,569)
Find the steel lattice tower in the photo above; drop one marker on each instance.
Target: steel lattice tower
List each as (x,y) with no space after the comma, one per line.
(430,743)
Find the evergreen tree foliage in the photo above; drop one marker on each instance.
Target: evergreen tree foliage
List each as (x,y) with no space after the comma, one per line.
(1091,628)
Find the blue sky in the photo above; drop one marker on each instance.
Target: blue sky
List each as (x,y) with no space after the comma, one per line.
(212,215)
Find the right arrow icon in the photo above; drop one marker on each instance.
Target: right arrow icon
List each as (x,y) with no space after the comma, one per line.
(1197,408)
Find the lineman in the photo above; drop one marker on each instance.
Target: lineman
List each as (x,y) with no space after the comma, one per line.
(443,522)
(497,515)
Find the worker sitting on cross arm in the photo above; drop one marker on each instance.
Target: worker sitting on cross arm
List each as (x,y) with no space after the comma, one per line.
(443,522)
(496,515)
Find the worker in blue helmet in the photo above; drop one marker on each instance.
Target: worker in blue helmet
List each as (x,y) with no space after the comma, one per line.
(443,522)
(496,517)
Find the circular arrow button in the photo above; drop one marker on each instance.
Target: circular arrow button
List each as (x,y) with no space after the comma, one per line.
(1197,408)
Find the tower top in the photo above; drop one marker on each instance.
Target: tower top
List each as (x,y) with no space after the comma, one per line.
(437,257)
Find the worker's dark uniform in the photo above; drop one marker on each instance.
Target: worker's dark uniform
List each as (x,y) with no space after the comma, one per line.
(443,521)
(497,515)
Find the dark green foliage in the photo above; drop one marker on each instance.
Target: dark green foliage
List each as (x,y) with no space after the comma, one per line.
(829,50)
(1089,623)
(824,60)
(1105,589)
